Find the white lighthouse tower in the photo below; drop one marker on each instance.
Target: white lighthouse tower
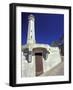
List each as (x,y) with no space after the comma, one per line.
(31,30)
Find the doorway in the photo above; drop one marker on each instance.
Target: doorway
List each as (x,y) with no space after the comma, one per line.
(38,63)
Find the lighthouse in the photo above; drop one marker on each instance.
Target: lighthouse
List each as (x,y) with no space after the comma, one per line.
(31,30)
(37,58)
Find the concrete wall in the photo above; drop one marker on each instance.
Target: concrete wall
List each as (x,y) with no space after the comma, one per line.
(53,59)
(28,69)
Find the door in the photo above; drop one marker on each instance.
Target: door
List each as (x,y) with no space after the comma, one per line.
(38,63)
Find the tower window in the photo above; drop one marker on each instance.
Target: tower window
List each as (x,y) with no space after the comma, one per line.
(31,36)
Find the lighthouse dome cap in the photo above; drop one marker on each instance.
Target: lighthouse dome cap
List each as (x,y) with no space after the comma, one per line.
(31,17)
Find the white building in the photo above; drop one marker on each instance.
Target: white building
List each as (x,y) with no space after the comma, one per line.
(37,58)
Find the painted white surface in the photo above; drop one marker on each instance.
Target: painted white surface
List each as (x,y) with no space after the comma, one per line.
(52,60)
(4,46)
(28,69)
(31,29)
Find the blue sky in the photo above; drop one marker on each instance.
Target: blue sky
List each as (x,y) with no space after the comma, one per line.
(48,27)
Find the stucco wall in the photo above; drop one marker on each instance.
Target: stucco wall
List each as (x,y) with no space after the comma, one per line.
(28,69)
